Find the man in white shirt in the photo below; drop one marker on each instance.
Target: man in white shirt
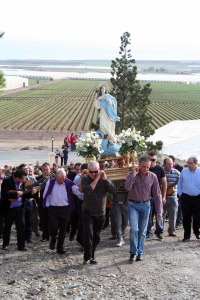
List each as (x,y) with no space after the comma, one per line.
(58,197)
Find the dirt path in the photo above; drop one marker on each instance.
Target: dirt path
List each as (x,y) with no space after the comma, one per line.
(13,91)
(170,270)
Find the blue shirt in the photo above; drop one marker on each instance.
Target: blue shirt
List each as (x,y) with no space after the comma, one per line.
(189,182)
(18,201)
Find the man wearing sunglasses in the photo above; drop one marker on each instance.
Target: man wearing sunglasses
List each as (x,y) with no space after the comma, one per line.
(95,187)
(160,173)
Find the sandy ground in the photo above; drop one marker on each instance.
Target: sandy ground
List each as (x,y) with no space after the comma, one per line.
(169,271)
(15,144)
(11,153)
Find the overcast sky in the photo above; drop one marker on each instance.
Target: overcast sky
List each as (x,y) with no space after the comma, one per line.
(90,29)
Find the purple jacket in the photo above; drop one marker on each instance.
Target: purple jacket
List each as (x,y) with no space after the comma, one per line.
(70,196)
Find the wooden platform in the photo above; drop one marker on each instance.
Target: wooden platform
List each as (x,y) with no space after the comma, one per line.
(117,173)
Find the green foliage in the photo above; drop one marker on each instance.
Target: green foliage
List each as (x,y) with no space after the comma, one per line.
(154,147)
(133,99)
(2,81)
(94,126)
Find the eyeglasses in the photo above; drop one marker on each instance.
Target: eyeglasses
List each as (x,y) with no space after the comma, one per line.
(153,159)
(93,172)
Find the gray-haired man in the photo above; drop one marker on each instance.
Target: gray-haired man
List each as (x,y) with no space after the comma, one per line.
(95,187)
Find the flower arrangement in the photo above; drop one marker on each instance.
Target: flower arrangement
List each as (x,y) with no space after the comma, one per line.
(89,145)
(130,140)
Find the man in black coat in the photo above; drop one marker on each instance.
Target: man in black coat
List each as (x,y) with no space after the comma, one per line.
(12,193)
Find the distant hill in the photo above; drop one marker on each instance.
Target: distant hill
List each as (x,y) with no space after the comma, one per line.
(148,66)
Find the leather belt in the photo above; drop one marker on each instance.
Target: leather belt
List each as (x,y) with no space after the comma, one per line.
(192,195)
(138,202)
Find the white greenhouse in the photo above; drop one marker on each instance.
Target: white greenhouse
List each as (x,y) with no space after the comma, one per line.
(14,82)
(180,138)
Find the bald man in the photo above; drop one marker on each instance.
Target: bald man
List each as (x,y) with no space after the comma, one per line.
(189,191)
(58,197)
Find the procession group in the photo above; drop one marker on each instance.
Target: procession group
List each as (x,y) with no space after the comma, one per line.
(51,202)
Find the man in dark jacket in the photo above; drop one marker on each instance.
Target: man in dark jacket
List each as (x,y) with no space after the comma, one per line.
(2,177)
(95,187)
(12,192)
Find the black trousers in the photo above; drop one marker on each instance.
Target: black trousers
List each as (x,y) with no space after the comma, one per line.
(191,214)
(92,227)
(58,219)
(1,225)
(15,214)
(74,218)
(107,217)
(28,219)
(65,160)
(44,221)
(80,222)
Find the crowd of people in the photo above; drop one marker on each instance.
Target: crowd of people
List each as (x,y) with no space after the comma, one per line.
(80,200)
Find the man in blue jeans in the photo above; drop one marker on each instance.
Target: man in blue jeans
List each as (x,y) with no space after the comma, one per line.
(141,184)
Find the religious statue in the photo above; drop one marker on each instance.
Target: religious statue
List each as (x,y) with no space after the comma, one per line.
(107,105)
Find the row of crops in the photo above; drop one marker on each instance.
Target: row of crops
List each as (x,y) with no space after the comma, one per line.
(68,105)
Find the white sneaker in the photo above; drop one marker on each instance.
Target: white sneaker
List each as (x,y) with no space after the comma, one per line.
(120,244)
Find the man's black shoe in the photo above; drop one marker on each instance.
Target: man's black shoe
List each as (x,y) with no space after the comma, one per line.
(139,257)
(198,237)
(37,233)
(93,262)
(185,240)
(4,247)
(44,239)
(86,261)
(159,235)
(61,251)
(149,235)
(132,258)
(52,245)
(23,249)
(71,238)
(29,241)
(112,238)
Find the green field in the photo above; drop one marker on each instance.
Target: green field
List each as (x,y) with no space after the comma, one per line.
(38,81)
(68,105)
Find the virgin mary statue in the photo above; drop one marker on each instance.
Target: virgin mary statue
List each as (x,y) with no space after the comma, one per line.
(108,113)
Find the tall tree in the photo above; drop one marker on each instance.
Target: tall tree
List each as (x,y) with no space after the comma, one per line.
(2,80)
(133,99)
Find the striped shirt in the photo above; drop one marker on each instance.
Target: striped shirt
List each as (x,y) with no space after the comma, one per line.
(172,178)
